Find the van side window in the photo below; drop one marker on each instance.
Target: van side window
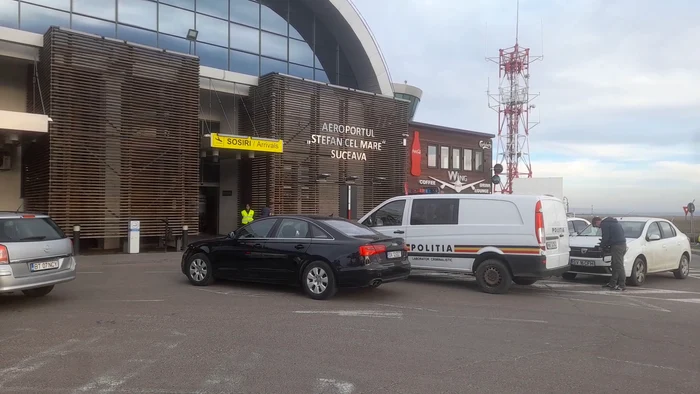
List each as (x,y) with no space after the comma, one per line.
(390,214)
(434,211)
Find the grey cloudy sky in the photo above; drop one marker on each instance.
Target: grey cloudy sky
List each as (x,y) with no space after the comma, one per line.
(619,84)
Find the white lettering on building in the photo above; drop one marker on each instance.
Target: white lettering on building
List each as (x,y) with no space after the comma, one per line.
(426,182)
(348,140)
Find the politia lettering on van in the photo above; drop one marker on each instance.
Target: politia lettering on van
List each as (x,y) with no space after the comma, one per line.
(432,248)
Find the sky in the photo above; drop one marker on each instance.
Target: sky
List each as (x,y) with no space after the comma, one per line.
(618,84)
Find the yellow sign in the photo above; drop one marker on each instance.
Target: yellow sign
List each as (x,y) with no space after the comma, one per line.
(220,141)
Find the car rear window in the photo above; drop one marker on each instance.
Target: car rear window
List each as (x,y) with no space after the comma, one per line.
(28,230)
(351,229)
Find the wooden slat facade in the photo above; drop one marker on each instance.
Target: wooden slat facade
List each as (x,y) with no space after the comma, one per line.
(292,109)
(124,139)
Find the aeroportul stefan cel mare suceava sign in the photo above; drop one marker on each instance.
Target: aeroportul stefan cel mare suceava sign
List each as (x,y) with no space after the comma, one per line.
(360,139)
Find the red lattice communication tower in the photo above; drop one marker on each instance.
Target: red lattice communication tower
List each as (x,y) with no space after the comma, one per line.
(513,104)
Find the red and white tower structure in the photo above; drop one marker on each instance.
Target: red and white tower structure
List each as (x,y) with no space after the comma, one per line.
(513,104)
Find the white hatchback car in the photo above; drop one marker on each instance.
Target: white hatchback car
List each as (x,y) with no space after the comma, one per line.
(654,245)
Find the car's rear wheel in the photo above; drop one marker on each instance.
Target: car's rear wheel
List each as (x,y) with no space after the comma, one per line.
(639,273)
(38,292)
(199,270)
(524,281)
(683,268)
(569,275)
(318,281)
(493,277)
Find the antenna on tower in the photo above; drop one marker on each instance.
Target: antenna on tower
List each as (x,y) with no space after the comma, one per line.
(513,102)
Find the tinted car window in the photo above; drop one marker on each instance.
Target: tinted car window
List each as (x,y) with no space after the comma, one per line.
(653,230)
(390,214)
(292,228)
(27,230)
(350,229)
(317,233)
(257,229)
(434,211)
(667,230)
(579,225)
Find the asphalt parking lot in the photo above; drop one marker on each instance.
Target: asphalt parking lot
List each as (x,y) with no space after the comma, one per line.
(133,324)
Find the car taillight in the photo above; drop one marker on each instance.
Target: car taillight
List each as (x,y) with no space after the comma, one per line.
(539,224)
(407,248)
(371,250)
(28,216)
(4,256)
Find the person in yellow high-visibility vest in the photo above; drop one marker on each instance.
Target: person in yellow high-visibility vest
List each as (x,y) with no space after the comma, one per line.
(247,215)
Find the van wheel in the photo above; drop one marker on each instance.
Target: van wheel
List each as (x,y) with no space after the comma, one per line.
(569,275)
(524,281)
(493,277)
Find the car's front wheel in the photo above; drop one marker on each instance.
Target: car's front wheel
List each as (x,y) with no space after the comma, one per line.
(318,281)
(38,292)
(683,268)
(639,272)
(199,270)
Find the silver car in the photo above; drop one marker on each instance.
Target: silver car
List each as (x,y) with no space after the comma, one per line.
(35,255)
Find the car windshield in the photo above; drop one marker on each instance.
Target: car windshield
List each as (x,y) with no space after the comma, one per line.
(631,229)
(28,230)
(351,229)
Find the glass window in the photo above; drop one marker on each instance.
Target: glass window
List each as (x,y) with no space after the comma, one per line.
(653,230)
(9,13)
(347,80)
(139,13)
(468,166)
(632,229)
(273,16)
(318,233)
(245,38)
(174,21)
(301,22)
(327,59)
(212,56)
(59,4)
(105,9)
(432,156)
(300,52)
(174,44)
(244,63)
(27,230)
(434,211)
(301,71)
(138,36)
(572,230)
(216,8)
(272,66)
(479,161)
(39,19)
(390,214)
(445,157)
(258,229)
(94,26)
(579,225)
(212,30)
(667,230)
(456,162)
(273,45)
(293,228)
(349,228)
(189,4)
(320,75)
(246,12)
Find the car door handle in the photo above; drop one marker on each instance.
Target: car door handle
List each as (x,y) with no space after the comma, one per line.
(257,246)
(398,232)
(299,247)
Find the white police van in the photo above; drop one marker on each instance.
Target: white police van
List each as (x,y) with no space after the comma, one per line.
(498,238)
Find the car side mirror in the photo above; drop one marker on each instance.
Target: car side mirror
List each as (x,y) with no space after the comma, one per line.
(653,237)
(232,234)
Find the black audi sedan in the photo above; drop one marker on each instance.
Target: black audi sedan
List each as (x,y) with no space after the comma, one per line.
(320,253)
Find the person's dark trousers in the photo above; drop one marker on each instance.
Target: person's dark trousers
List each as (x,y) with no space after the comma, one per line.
(618,265)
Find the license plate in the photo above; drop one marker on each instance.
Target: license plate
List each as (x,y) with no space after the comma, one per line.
(46,265)
(551,245)
(585,263)
(393,255)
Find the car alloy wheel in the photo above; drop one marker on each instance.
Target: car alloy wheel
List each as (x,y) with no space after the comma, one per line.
(685,266)
(317,280)
(198,270)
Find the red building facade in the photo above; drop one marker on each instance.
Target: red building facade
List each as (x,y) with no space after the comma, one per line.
(446,160)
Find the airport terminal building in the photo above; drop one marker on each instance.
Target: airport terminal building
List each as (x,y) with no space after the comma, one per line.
(185,110)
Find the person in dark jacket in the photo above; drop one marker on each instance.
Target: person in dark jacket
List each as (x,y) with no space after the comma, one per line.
(267,211)
(613,241)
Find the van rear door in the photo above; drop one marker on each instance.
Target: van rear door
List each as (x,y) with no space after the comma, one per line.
(556,232)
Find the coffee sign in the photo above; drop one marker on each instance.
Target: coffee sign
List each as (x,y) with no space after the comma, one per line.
(339,136)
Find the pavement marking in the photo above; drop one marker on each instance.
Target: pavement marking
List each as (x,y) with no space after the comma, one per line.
(647,365)
(228,381)
(689,300)
(90,272)
(334,386)
(136,300)
(235,293)
(379,314)
(161,272)
(408,307)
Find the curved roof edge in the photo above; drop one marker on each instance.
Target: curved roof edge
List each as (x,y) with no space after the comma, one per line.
(343,19)
(408,89)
